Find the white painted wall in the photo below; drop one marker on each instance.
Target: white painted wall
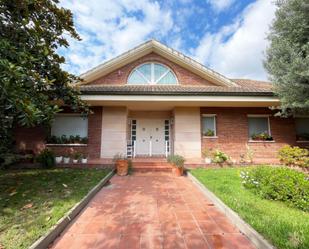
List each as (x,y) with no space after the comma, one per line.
(187,132)
(114,131)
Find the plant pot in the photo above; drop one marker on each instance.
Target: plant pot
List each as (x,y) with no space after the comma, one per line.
(178,171)
(84,160)
(122,167)
(58,159)
(207,160)
(75,160)
(66,160)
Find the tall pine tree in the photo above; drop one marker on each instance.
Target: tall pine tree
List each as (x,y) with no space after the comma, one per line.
(287,59)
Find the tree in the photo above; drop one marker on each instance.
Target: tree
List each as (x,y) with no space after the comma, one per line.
(33,85)
(287,59)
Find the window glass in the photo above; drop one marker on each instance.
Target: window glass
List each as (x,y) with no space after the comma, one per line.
(69,125)
(159,70)
(302,128)
(209,126)
(136,78)
(145,70)
(152,73)
(169,78)
(257,126)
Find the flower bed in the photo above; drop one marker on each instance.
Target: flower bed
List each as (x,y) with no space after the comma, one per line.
(280,184)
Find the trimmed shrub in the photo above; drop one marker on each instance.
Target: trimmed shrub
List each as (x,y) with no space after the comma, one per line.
(220,157)
(294,156)
(282,184)
(46,158)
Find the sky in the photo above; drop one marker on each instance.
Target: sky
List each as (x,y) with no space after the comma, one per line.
(228,36)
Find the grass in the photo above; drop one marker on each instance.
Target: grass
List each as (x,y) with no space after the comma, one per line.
(283,226)
(32,201)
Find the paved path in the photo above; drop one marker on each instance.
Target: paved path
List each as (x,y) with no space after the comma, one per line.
(151,211)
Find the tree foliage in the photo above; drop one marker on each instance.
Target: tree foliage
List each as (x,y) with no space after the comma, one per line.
(33,85)
(287,58)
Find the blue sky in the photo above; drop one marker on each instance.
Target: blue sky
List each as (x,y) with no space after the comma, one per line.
(226,35)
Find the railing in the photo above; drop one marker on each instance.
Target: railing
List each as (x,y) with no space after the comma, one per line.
(131,149)
(167,148)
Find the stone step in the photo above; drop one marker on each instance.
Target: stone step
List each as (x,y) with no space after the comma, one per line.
(151,169)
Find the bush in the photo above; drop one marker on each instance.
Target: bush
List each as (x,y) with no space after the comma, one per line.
(220,157)
(7,159)
(176,160)
(46,158)
(281,184)
(294,156)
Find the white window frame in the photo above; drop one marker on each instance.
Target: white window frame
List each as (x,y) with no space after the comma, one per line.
(268,121)
(215,125)
(152,81)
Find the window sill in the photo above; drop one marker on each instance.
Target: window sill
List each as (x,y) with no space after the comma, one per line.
(300,141)
(261,141)
(67,145)
(210,137)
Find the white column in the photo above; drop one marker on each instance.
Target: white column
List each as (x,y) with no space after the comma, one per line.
(114,131)
(187,129)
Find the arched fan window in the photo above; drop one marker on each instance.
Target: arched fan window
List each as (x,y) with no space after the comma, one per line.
(152,74)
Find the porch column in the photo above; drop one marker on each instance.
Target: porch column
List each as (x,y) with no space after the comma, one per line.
(187,132)
(114,131)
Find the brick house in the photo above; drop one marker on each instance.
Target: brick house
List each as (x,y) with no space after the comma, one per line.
(153,101)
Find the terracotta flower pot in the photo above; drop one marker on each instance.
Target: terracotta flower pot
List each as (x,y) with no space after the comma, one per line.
(122,167)
(178,171)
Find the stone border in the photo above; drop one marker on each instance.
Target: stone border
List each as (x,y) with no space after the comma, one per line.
(244,227)
(45,240)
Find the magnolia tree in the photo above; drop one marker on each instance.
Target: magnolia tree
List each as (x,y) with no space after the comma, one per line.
(287,60)
(33,84)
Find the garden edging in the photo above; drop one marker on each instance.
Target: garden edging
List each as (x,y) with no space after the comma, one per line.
(45,240)
(244,227)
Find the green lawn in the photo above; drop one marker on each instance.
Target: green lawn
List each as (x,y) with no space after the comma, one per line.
(283,226)
(31,201)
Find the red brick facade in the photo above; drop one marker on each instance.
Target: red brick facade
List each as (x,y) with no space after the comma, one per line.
(120,76)
(232,134)
(34,138)
(232,123)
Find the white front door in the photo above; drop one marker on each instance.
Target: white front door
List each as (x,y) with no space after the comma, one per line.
(150,137)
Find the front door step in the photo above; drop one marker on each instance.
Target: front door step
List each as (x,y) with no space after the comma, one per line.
(151,166)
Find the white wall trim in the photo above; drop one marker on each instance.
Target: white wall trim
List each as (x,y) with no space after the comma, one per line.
(179,98)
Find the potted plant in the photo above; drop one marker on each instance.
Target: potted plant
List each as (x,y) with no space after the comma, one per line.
(84,158)
(76,156)
(122,164)
(177,162)
(264,136)
(207,155)
(59,159)
(209,133)
(66,158)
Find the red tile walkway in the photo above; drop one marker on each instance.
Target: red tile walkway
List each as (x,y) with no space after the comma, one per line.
(151,211)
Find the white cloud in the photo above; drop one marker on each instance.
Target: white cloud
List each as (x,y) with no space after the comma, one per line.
(220,5)
(110,29)
(237,50)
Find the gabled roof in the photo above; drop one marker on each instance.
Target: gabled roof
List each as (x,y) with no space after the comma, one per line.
(164,51)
